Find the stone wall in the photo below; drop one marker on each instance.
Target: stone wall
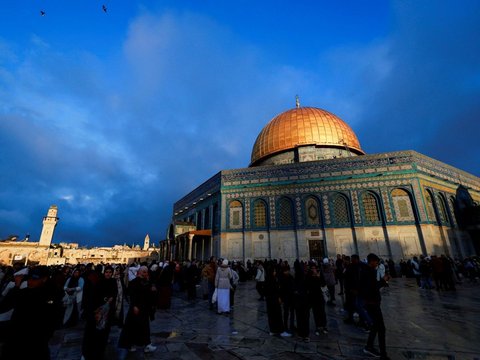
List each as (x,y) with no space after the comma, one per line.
(32,253)
(401,241)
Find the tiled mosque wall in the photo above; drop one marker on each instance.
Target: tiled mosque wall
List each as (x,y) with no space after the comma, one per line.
(400,230)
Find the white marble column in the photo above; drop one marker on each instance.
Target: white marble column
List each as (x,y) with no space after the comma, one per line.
(190,247)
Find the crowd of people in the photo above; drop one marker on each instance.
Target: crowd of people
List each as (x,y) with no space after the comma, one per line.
(292,296)
(440,272)
(35,301)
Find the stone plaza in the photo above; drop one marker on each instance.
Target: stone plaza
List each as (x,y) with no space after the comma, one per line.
(421,324)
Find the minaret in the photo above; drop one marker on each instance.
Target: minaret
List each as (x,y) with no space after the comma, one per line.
(49,223)
(146,243)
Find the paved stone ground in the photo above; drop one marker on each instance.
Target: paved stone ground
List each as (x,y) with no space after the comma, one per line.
(421,324)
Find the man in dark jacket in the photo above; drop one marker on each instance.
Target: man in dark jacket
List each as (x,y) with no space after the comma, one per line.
(191,279)
(33,318)
(136,331)
(369,292)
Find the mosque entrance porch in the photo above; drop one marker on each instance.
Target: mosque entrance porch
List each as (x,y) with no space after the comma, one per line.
(201,247)
(195,244)
(316,249)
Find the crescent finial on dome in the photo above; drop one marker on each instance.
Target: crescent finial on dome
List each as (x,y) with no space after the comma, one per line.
(297,101)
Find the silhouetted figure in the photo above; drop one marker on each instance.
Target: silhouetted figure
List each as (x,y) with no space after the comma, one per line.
(99,309)
(302,311)
(33,319)
(287,295)
(369,292)
(136,331)
(314,283)
(272,295)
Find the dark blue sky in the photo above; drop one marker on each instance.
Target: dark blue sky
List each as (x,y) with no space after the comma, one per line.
(113,117)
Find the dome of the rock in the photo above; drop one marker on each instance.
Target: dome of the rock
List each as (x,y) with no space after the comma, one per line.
(304,126)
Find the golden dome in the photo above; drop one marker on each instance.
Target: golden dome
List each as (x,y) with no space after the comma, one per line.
(304,126)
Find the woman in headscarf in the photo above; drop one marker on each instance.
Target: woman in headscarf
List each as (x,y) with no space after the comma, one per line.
(99,309)
(329,275)
(73,298)
(118,305)
(223,285)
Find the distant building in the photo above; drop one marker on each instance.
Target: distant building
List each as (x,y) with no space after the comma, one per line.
(311,191)
(45,252)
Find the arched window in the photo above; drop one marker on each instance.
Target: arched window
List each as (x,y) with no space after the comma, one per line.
(285,212)
(452,207)
(429,204)
(236,218)
(259,214)
(442,209)
(312,211)
(340,210)
(402,205)
(370,207)
(452,202)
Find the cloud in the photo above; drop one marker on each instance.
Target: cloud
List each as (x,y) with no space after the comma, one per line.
(418,87)
(48,125)
(115,140)
(201,95)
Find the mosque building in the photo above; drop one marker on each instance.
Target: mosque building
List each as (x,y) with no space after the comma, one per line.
(310,191)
